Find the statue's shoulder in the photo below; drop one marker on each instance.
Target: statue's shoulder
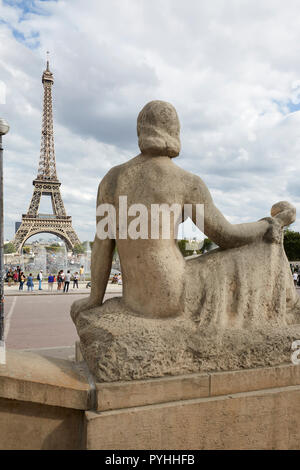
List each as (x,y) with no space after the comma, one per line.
(109,181)
(112,174)
(117,170)
(194,186)
(188,177)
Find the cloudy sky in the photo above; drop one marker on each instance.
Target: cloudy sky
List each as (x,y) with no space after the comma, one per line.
(230,67)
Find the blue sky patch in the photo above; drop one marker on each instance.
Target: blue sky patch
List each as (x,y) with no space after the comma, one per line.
(28,6)
(293,107)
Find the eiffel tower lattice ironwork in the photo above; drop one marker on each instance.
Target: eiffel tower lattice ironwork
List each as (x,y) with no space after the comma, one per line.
(46,184)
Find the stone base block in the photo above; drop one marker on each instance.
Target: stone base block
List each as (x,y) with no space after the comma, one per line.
(120,346)
(48,403)
(268,419)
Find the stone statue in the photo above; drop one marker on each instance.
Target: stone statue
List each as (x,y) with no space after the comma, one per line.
(233,307)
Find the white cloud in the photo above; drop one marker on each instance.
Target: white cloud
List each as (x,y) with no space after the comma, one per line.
(230,68)
(2,93)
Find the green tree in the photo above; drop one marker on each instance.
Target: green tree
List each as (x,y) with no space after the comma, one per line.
(79,249)
(53,248)
(26,250)
(182,248)
(207,244)
(291,243)
(9,248)
(115,253)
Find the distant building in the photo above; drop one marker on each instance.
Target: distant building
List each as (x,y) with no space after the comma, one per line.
(17,225)
(194,245)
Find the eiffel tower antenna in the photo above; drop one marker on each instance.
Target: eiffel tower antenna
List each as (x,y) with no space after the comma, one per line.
(47,184)
(47,165)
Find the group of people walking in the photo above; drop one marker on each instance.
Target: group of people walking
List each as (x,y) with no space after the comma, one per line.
(16,276)
(62,279)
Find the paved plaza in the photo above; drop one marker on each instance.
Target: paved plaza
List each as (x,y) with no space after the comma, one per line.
(41,321)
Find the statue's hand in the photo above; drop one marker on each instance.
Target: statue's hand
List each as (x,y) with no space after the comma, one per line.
(283,214)
(80,306)
(273,233)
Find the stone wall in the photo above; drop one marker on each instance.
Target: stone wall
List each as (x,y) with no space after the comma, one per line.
(47,403)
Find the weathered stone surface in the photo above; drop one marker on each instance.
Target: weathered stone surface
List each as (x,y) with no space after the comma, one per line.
(35,426)
(129,394)
(125,347)
(267,419)
(246,409)
(46,380)
(233,308)
(224,383)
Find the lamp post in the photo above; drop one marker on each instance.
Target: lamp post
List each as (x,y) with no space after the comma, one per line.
(4,128)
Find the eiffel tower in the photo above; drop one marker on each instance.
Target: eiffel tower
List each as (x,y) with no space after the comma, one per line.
(46,184)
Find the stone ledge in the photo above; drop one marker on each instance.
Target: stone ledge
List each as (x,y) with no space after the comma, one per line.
(33,378)
(51,398)
(224,383)
(263,419)
(50,381)
(118,395)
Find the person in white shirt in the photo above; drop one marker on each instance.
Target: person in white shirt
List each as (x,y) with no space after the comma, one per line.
(295,277)
(40,278)
(67,281)
(75,280)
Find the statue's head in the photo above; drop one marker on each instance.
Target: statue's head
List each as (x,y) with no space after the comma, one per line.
(158,129)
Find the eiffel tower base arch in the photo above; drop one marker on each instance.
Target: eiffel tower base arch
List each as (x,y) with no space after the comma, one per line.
(61,227)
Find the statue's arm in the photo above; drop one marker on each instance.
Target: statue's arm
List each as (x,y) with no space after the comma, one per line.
(218,228)
(102,255)
(101,262)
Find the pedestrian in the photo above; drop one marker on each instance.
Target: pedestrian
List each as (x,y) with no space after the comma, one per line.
(59,280)
(40,278)
(9,277)
(75,280)
(50,282)
(67,281)
(16,276)
(119,279)
(295,277)
(22,279)
(29,283)
(62,275)
(81,272)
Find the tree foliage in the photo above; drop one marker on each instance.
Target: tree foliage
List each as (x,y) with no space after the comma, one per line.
(53,248)
(182,247)
(207,244)
(291,243)
(79,249)
(9,248)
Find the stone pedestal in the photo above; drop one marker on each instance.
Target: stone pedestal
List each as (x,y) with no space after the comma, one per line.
(47,403)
